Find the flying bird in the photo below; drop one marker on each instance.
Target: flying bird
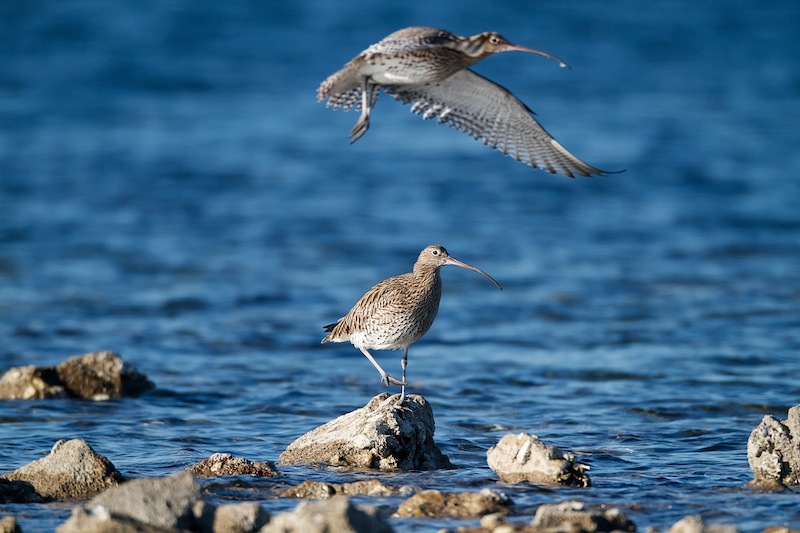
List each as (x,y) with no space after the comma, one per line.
(428,68)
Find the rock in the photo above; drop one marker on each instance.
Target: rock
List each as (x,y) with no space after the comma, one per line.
(18,492)
(102,375)
(571,516)
(326,516)
(31,383)
(151,505)
(225,464)
(174,502)
(524,457)
(374,436)
(8,524)
(95,376)
(239,518)
(318,490)
(72,470)
(695,524)
(454,505)
(773,450)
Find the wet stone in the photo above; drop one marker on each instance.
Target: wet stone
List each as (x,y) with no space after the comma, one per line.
(773,450)
(318,490)
(72,470)
(95,376)
(524,457)
(18,492)
(376,436)
(695,524)
(225,464)
(327,516)
(571,516)
(433,503)
(173,503)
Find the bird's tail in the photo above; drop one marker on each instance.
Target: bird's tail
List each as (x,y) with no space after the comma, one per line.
(329,329)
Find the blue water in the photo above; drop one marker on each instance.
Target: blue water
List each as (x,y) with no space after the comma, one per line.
(170,189)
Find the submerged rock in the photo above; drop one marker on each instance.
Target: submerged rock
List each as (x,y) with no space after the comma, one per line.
(695,524)
(72,470)
(173,503)
(18,492)
(524,457)
(773,450)
(318,490)
(225,464)
(571,516)
(328,516)
(454,504)
(374,436)
(95,376)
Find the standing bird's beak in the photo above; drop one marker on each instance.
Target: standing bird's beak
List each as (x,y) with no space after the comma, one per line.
(456,262)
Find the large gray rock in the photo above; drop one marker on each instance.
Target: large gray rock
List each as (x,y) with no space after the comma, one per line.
(455,504)
(173,503)
(571,516)
(225,464)
(773,450)
(327,516)
(376,436)
(524,457)
(95,376)
(72,470)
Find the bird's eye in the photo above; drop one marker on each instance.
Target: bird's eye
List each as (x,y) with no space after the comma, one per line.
(435,252)
(494,39)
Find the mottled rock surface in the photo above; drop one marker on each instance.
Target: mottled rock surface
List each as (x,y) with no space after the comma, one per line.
(72,470)
(695,524)
(318,490)
(225,464)
(454,504)
(773,450)
(571,516)
(95,376)
(328,516)
(8,524)
(173,503)
(374,436)
(524,457)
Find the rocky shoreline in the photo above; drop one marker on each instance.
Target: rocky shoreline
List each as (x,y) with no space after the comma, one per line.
(376,437)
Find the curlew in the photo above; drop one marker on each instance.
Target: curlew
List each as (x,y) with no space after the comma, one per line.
(428,68)
(398,311)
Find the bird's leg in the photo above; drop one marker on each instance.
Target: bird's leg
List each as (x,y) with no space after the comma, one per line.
(369,95)
(403,363)
(386,379)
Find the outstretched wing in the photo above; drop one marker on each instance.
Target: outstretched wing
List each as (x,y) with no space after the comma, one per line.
(491,114)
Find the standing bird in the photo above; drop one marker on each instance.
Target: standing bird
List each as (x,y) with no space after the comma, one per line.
(397,311)
(427,67)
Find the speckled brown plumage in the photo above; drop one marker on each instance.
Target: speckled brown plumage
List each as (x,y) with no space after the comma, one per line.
(397,311)
(428,68)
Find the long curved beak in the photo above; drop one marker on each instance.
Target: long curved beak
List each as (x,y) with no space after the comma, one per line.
(456,262)
(518,48)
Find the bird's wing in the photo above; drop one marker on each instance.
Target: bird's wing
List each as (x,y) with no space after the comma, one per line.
(491,114)
(380,304)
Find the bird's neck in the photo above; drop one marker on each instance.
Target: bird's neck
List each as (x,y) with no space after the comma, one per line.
(472,48)
(427,275)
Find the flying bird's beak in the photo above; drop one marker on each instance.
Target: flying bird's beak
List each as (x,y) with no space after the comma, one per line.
(518,48)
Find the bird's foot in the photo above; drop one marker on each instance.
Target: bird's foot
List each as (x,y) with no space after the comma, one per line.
(386,379)
(359,129)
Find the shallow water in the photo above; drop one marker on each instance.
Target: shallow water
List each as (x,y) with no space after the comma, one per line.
(171,190)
